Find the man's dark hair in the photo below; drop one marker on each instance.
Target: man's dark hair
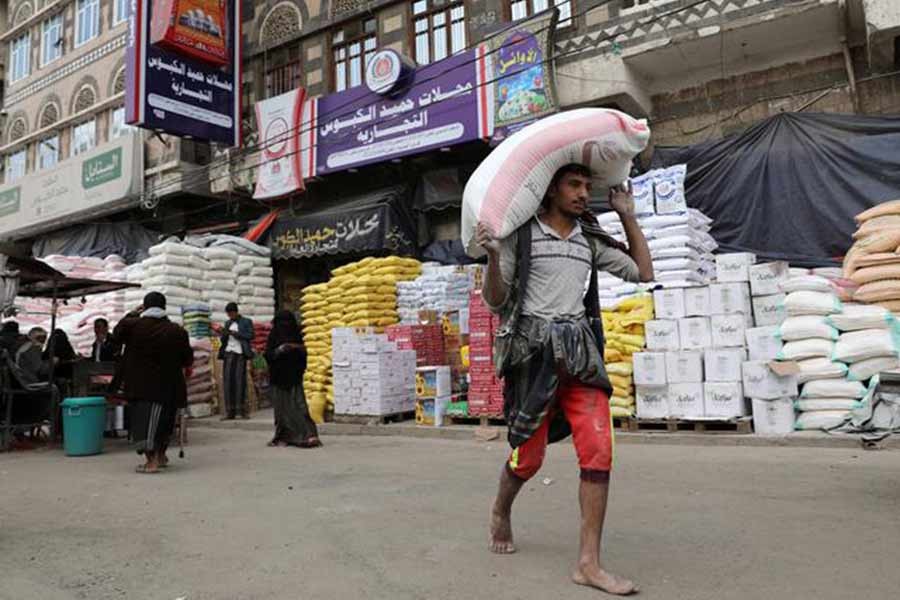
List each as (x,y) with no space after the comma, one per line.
(10,327)
(101,321)
(569,169)
(154,300)
(231,307)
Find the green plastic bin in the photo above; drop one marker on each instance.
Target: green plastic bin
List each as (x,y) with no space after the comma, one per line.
(84,420)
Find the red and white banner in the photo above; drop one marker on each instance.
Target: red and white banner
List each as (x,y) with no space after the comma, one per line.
(280,164)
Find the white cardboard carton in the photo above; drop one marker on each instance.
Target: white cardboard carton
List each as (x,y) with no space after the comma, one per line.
(769,310)
(652,401)
(763,343)
(696,302)
(761,382)
(734,267)
(730,298)
(773,417)
(765,278)
(724,400)
(728,331)
(649,368)
(686,400)
(669,304)
(684,367)
(724,365)
(662,335)
(695,333)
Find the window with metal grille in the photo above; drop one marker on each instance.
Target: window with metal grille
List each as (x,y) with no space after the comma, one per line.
(284,78)
(440,30)
(522,9)
(352,47)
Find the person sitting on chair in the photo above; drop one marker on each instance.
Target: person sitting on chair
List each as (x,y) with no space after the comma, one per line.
(30,359)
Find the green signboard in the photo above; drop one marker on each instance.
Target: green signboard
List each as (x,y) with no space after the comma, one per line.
(101,169)
(9,202)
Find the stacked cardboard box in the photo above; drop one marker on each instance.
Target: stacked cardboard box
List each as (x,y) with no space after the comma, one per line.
(426,340)
(371,376)
(697,362)
(485,390)
(433,392)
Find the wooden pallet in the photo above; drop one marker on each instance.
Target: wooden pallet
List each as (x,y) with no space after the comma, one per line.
(375,419)
(625,423)
(743,425)
(480,420)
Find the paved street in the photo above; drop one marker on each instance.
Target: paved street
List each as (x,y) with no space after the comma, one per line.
(400,518)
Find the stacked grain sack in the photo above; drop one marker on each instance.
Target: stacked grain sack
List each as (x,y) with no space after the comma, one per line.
(873,262)
(439,288)
(623,328)
(200,384)
(318,315)
(219,281)
(678,237)
(176,270)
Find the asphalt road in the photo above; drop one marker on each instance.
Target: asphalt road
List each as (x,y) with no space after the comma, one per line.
(397,518)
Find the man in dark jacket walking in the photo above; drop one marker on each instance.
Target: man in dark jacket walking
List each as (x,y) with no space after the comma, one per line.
(157,353)
(235,352)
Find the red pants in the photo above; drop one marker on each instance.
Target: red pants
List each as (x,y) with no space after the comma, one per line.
(587,411)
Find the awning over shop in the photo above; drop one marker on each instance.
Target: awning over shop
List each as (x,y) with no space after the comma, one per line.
(789,187)
(375,222)
(441,189)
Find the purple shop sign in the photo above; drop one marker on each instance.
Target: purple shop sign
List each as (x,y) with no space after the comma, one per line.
(447,103)
(174,93)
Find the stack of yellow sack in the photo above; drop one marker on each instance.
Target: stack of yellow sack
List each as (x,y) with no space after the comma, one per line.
(623,328)
(318,318)
(873,262)
(361,294)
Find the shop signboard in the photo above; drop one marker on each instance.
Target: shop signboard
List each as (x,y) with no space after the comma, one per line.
(277,119)
(175,83)
(443,104)
(522,74)
(105,179)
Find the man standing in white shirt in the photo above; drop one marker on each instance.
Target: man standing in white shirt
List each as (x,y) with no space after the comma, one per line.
(235,352)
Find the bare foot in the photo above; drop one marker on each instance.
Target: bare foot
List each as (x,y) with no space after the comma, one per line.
(501,533)
(595,577)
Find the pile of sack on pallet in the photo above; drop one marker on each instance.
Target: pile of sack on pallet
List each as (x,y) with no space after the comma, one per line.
(761,332)
(439,288)
(623,329)
(873,262)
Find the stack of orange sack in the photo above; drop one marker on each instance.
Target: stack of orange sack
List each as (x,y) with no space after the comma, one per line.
(873,262)
(623,328)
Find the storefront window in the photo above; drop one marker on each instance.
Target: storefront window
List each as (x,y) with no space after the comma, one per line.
(16,166)
(48,152)
(84,137)
(522,9)
(351,52)
(440,30)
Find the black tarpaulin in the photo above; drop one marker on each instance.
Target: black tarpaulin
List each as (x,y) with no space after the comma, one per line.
(789,187)
(128,240)
(378,222)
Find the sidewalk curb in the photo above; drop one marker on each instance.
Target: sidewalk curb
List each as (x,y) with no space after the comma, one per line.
(467,433)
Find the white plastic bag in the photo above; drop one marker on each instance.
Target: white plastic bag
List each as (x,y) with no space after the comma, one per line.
(819,368)
(833,388)
(811,303)
(854,317)
(800,328)
(808,348)
(856,346)
(507,188)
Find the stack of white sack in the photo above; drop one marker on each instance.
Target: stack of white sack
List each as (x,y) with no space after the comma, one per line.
(440,288)
(220,281)
(176,270)
(134,297)
(200,385)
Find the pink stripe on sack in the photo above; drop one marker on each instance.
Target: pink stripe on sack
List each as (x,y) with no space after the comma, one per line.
(528,153)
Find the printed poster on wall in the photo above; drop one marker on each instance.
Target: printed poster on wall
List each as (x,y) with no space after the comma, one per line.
(278,121)
(193,27)
(522,72)
(176,86)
